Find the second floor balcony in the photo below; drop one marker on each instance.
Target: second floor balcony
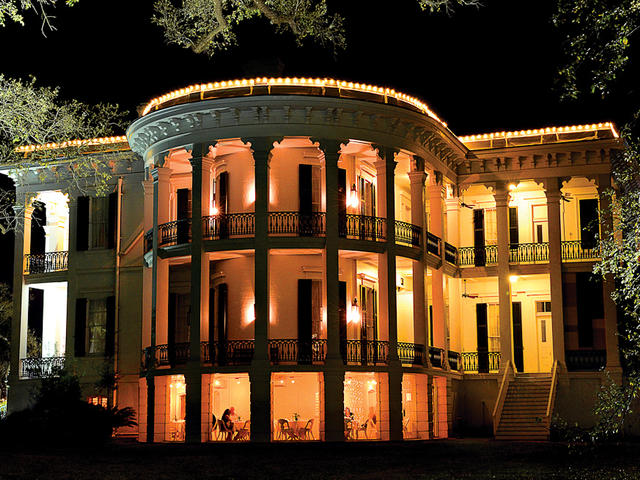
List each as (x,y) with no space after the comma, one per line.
(49,262)
(526,253)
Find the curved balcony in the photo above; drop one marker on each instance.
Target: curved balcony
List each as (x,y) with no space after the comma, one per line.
(229,225)
(411,353)
(37,367)
(529,253)
(174,233)
(365,352)
(230,352)
(434,244)
(436,357)
(408,234)
(48,262)
(454,361)
(312,224)
(450,254)
(292,350)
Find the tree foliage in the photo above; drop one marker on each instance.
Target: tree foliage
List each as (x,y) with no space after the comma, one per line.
(598,36)
(207,26)
(14,10)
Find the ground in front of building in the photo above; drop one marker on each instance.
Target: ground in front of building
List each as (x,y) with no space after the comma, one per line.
(446,459)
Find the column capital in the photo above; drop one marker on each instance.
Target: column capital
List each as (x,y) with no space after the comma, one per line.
(330,146)
(501,194)
(435,178)
(417,177)
(261,144)
(417,163)
(552,187)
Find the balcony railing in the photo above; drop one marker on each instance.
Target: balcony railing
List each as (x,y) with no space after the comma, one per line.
(310,224)
(572,250)
(36,367)
(297,351)
(216,227)
(229,352)
(454,360)
(166,355)
(478,256)
(529,253)
(174,233)
(450,254)
(590,360)
(408,234)
(148,241)
(470,361)
(411,353)
(436,357)
(434,244)
(362,227)
(365,352)
(46,262)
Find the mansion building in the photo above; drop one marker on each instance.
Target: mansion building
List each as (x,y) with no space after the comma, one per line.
(325,257)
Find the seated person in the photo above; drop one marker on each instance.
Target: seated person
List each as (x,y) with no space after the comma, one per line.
(227,423)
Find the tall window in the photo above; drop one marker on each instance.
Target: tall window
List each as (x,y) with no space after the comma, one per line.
(491,231)
(99,222)
(97,326)
(493,319)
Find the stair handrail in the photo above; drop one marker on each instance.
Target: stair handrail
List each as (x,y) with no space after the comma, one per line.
(502,395)
(552,392)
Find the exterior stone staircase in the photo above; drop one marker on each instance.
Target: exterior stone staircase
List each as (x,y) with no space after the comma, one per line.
(524,413)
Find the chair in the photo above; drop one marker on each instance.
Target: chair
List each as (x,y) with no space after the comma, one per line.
(363,428)
(214,426)
(243,433)
(284,430)
(307,430)
(223,431)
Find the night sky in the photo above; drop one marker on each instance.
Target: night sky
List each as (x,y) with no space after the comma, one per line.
(485,70)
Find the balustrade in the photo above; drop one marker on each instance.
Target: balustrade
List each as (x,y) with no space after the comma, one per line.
(529,253)
(221,226)
(408,234)
(297,351)
(411,353)
(478,256)
(362,227)
(454,360)
(365,352)
(174,233)
(450,254)
(48,262)
(310,224)
(590,360)
(37,367)
(573,250)
(434,244)
(470,361)
(436,357)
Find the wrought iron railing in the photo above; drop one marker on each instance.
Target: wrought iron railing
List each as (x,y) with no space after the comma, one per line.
(228,352)
(310,224)
(450,254)
(36,367)
(365,352)
(454,360)
(529,253)
(148,241)
(470,361)
(478,256)
(166,355)
(436,357)
(573,250)
(46,262)
(362,227)
(590,360)
(411,353)
(433,244)
(174,233)
(297,351)
(408,234)
(216,227)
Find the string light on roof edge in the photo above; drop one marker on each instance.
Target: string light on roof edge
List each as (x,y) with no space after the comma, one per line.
(295,81)
(73,143)
(541,131)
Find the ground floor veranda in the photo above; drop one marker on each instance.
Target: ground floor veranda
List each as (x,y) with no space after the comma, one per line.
(297,406)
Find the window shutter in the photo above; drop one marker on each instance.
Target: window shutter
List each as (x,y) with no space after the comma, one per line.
(113,219)
(513,227)
(81,327)
(305,190)
(82,224)
(304,310)
(110,333)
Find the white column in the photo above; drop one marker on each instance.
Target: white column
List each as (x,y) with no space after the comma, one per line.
(501,195)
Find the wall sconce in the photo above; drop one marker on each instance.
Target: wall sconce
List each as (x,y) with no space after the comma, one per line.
(353,201)
(354,312)
(215,210)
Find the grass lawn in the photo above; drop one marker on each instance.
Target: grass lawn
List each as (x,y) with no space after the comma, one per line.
(447,459)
